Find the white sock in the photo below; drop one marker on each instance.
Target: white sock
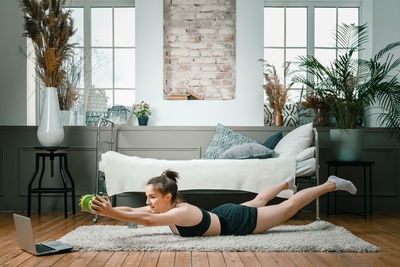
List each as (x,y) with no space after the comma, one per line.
(342,184)
(291,183)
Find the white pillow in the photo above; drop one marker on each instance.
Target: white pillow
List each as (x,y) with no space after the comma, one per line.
(295,141)
(305,154)
(305,168)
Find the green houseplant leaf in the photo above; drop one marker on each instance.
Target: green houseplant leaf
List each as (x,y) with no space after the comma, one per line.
(349,85)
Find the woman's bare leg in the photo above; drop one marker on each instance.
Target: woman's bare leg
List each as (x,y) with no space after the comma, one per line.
(274,215)
(266,195)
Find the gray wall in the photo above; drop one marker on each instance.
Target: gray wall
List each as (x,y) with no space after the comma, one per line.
(186,142)
(12,65)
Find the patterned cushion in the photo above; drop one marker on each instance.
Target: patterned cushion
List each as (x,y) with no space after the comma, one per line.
(223,139)
(273,140)
(248,151)
(289,112)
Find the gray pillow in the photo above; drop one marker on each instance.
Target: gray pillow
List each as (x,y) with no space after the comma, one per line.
(223,139)
(248,151)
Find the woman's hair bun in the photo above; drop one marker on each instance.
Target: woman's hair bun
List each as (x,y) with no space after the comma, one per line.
(171,175)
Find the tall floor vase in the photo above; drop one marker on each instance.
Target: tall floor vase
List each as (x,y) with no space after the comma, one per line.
(50,131)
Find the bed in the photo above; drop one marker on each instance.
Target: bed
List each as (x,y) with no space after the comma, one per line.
(123,173)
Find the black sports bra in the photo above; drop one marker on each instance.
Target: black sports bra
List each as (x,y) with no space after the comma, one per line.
(196,230)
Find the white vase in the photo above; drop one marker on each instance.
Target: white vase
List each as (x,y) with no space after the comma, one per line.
(50,131)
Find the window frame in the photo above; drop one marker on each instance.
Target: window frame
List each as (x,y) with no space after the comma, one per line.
(311,6)
(33,87)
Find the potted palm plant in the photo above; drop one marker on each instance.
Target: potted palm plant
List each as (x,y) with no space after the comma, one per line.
(50,27)
(348,85)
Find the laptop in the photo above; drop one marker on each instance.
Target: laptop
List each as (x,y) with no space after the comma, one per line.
(26,241)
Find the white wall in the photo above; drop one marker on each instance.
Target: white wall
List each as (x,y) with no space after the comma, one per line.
(12,65)
(384,28)
(245,110)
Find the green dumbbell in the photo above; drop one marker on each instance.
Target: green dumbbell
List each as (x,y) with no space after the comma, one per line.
(86,202)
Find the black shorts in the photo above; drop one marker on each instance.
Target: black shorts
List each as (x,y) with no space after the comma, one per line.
(236,219)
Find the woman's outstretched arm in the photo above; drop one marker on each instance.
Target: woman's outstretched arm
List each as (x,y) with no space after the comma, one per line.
(139,209)
(103,207)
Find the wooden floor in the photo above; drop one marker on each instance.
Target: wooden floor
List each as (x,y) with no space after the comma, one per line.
(383,230)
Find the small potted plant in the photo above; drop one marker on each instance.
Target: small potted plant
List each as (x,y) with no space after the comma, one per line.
(320,108)
(275,90)
(142,112)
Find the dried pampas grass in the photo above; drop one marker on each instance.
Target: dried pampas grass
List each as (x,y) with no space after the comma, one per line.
(50,27)
(275,90)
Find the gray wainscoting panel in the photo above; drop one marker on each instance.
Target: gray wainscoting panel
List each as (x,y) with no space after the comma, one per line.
(17,160)
(81,164)
(384,168)
(2,180)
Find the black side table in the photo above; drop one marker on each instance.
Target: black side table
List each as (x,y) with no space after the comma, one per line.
(62,156)
(365,165)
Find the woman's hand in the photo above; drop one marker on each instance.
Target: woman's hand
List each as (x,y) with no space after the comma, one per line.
(102,206)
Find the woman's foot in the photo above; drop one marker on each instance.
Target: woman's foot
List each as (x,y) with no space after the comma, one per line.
(291,183)
(342,184)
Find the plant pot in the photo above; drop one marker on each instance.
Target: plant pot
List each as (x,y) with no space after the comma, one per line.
(278,118)
(50,131)
(143,121)
(346,144)
(322,117)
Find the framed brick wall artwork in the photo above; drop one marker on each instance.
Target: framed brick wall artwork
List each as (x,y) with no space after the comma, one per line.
(199,49)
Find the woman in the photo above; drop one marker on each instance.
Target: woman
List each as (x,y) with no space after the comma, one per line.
(164,207)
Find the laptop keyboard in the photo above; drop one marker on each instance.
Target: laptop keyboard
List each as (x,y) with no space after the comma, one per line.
(40,248)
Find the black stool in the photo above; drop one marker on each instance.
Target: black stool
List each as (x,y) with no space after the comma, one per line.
(363,164)
(39,190)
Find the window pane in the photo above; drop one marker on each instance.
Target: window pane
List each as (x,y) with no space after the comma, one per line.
(74,68)
(79,110)
(343,51)
(274,56)
(292,56)
(296,27)
(325,27)
(124,97)
(102,68)
(273,26)
(348,16)
(110,98)
(101,26)
(77,16)
(124,27)
(325,56)
(124,68)
(294,95)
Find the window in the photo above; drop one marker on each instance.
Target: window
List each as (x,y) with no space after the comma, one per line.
(326,22)
(285,38)
(104,53)
(304,29)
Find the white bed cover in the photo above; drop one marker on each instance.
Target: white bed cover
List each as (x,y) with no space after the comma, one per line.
(130,173)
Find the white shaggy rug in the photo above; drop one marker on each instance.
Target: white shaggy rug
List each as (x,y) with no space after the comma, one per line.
(316,236)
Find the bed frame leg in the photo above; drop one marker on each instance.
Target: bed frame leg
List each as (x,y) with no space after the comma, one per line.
(316,140)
